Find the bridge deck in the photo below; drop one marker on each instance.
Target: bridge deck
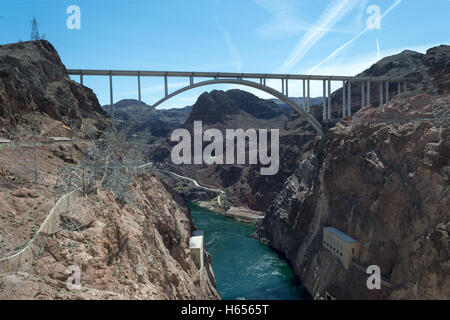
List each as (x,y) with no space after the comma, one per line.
(195,74)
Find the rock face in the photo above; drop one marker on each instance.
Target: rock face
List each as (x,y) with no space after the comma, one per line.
(137,250)
(126,251)
(33,79)
(384,184)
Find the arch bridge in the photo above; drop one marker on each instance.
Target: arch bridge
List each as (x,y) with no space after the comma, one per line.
(259,81)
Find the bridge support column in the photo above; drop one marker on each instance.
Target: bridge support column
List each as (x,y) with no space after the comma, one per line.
(368,92)
(282,86)
(387,92)
(363,100)
(139,93)
(191,80)
(139,88)
(304,95)
(349,99)
(381,94)
(398,88)
(166,89)
(287,87)
(111,99)
(405,87)
(81,78)
(309,96)
(329,99)
(343,99)
(324,104)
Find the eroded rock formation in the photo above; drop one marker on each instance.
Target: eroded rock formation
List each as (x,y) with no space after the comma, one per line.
(386,185)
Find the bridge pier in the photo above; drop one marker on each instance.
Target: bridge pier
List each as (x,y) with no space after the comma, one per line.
(304,95)
(387,92)
(324,104)
(381,94)
(398,88)
(111,99)
(166,89)
(329,99)
(139,88)
(343,99)
(362,95)
(368,92)
(287,87)
(309,96)
(81,78)
(349,99)
(139,93)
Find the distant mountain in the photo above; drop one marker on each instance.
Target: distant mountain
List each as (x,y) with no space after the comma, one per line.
(143,118)
(236,109)
(298,100)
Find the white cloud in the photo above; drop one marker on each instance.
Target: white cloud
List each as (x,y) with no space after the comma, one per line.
(332,14)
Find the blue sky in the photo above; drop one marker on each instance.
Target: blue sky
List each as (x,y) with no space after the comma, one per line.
(289,36)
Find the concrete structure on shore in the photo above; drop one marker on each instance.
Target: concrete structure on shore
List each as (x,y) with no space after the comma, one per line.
(197,245)
(341,245)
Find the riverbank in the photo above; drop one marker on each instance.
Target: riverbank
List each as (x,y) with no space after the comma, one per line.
(238,213)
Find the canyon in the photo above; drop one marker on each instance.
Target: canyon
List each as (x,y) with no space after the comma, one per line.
(381,176)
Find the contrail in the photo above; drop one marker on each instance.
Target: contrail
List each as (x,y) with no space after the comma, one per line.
(338,50)
(378,50)
(332,14)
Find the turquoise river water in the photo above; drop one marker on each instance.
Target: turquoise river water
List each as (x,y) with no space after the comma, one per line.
(244,267)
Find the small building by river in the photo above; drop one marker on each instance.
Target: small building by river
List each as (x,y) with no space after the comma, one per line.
(196,245)
(341,245)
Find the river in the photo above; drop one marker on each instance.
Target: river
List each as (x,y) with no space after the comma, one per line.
(244,267)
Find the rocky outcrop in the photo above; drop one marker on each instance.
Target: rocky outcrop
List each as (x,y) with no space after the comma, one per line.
(233,109)
(33,79)
(384,184)
(138,251)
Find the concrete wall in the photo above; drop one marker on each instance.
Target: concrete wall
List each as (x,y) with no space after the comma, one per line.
(23,259)
(344,250)
(196,246)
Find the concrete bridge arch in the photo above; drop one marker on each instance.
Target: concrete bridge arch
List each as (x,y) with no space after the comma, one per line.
(306,115)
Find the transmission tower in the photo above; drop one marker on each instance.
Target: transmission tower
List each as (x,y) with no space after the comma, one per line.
(35,30)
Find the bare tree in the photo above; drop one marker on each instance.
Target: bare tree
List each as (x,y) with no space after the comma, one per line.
(110,163)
